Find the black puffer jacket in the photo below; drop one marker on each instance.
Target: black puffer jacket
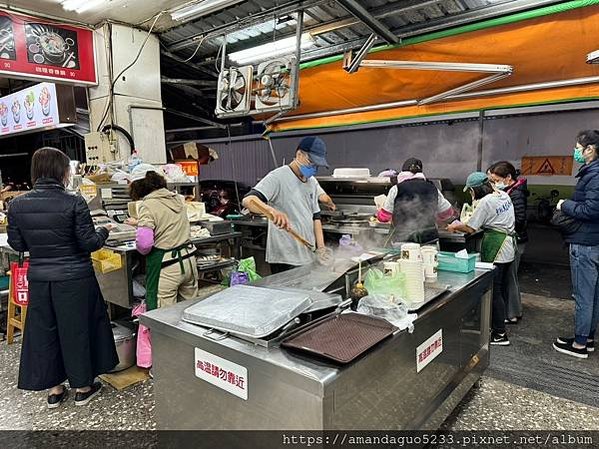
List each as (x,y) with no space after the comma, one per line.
(519,195)
(584,206)
(57,230)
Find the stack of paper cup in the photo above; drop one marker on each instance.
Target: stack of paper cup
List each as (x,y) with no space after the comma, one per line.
(431,262)
(411,251)
(414,276)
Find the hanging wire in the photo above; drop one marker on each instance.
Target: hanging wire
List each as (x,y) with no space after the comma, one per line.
(115,79)
(196,50)
(220,50)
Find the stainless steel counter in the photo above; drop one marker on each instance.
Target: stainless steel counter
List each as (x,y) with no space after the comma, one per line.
(384,389)
(117,286)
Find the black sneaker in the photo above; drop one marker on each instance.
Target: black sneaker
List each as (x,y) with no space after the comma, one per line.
(84,398)
(498,339)
(567,348)
(570,340)
(54,400)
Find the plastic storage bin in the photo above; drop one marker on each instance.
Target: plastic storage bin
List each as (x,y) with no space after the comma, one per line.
(106,261)
(449,262)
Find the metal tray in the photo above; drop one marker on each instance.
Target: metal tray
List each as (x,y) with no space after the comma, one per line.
(430,293)
(320,300)
(341,338)
(248,310)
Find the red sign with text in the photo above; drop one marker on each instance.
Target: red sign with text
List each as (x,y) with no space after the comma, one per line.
(43,50)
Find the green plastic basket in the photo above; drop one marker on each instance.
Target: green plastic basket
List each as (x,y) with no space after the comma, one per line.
(449,262)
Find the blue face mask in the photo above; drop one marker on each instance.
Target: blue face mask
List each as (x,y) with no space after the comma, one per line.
(578,157)
(308,171)
(500,185)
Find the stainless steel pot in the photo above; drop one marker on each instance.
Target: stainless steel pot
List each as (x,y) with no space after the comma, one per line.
(125,341)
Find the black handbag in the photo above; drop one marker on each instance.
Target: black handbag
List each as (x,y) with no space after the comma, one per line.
(564,223)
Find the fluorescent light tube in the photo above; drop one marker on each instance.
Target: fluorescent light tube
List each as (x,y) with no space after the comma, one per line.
(200,9)
(80,6)
(271,50)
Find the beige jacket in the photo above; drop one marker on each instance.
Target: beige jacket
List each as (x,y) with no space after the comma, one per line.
(165,212)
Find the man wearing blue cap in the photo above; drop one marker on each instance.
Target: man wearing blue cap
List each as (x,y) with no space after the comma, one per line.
(289,195)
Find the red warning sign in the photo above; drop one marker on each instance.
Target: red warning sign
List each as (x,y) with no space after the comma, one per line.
(547,165)
(546,168)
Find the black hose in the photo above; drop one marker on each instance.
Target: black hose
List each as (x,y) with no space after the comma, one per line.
(124,132)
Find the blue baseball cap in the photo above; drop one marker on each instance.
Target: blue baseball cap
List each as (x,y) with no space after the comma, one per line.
(478,178)
(316,148)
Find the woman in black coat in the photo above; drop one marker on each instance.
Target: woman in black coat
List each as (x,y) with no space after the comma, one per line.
(68,333)
(504,176)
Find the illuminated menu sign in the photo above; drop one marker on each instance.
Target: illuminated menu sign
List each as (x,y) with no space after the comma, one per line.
(37,107)
(42,50)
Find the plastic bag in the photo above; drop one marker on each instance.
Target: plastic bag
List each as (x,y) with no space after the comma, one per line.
(20,284)
(248,266)
(239,278)
(245,274)
(139,291)
(396,313)
(377,283)
(348,247)
(144,339)
(174,173)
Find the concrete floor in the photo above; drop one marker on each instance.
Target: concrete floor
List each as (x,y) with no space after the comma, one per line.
(500,400)
(491,404)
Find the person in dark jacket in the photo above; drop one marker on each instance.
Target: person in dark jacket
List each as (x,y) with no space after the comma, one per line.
(505,177)
(584,248)
(68,334)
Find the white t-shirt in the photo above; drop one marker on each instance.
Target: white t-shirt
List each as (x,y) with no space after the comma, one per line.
(496,211)
(299,201)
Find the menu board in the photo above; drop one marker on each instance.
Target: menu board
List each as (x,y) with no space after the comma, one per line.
(29,109)
(37,49)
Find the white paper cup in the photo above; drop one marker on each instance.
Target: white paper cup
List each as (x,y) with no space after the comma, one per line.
(411,251)
(391,268)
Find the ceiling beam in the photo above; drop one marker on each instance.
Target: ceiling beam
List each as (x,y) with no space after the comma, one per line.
(375,25)
(193,65)
(245,22)
(195,118)
(332,25)
(188,82)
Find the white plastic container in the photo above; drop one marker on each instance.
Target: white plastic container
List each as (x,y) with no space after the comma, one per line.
(351,173)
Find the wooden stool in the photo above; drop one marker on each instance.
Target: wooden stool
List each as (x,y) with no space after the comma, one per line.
(16,320)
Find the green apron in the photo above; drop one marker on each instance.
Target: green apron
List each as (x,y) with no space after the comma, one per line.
(154,264)
(492,243)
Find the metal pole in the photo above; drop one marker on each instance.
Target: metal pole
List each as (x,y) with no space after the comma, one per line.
(272,152)
(298,54)
(481,136)
(375,25)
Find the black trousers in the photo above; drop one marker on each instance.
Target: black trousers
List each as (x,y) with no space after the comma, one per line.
(67,335)
(500,282)
(279,267)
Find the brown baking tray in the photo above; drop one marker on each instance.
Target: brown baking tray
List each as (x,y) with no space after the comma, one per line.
(341,337)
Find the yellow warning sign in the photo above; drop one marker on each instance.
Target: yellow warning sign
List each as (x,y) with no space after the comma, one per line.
(547,165)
